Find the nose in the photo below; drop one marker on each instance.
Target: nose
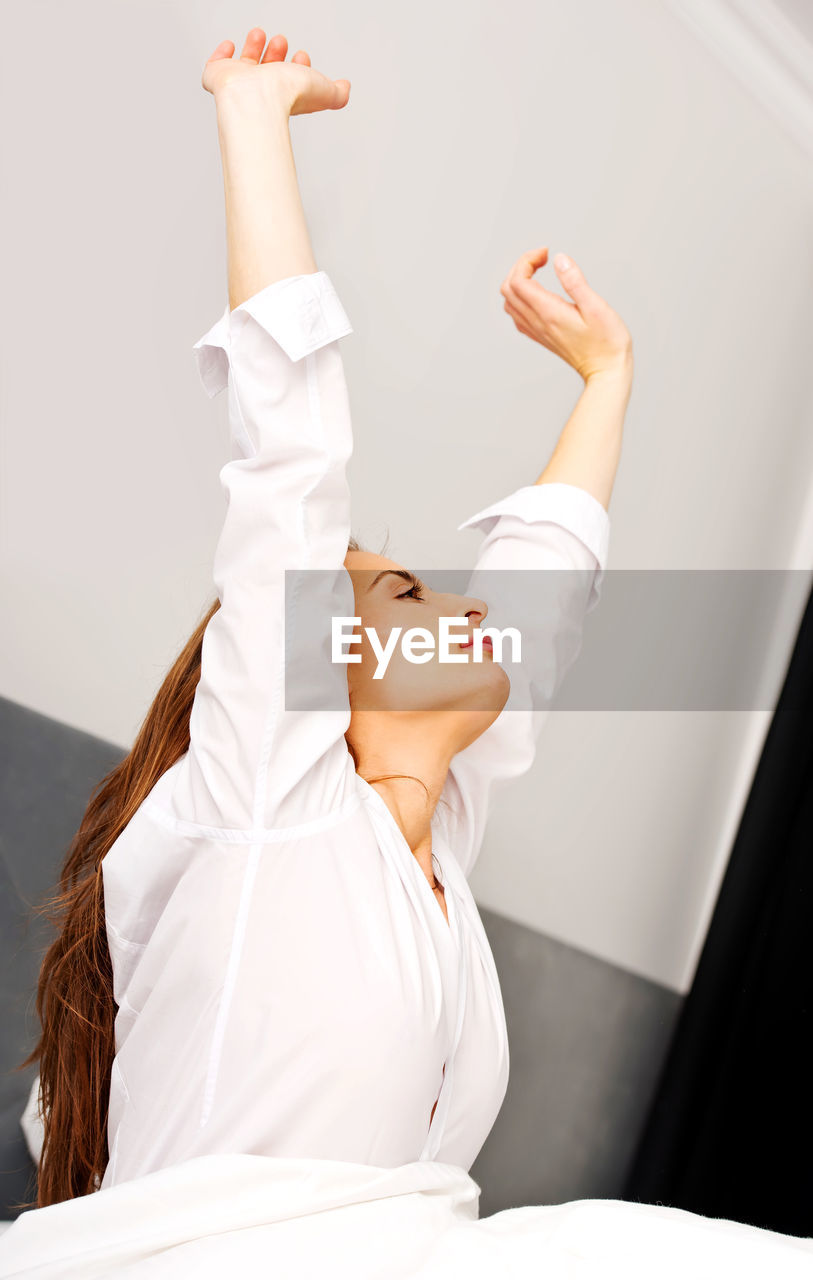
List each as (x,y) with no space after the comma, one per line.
(466,606)
(479,607)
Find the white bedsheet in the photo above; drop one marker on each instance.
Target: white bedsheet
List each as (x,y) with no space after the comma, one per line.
(245,1216)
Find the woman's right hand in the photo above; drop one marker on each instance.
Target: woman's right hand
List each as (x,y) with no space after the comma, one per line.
(296,84)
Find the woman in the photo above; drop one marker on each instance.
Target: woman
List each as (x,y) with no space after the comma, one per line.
(256,958)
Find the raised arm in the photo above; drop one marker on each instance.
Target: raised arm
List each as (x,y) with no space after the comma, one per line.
(251,763)
(559,523)
(267,235)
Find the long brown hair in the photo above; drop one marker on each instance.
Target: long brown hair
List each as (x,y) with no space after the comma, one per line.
(74,1000)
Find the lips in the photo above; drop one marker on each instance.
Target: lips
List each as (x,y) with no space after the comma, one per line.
(468,644)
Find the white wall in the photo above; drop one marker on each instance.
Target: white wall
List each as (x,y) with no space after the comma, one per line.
(610,131)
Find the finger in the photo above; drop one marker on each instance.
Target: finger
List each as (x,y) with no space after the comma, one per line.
(532,261)
(547,306)
(518,323)
(277,49)
(525,322)
(224,50)
(333,94)
(301,56)
(529,297)
(323,95)
(527,264)
(573,281)
(523,269)
(254,45)
(534,333)
(517,305)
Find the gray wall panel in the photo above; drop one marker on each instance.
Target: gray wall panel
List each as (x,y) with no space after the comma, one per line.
(587,1041)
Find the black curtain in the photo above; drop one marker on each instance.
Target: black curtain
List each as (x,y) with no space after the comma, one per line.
(730,1131)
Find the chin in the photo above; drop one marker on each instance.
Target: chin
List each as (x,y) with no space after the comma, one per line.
(488,693)
(505,686)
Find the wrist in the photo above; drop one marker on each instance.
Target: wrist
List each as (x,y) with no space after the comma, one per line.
(617,375)
(252,98)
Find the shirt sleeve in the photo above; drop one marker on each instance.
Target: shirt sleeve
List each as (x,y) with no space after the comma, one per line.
(543,526)
(252,764)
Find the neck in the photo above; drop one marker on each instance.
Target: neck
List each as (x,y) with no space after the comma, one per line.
(409,747)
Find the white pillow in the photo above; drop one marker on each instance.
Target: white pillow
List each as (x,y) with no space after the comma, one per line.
(33,1128)
(31,1122)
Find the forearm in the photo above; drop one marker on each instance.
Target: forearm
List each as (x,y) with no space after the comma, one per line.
(267,236)
(588,450)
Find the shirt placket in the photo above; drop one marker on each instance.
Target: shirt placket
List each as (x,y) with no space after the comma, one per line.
(434,1137)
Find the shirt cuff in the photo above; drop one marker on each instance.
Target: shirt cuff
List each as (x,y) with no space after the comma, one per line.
(301,313)
(565,504)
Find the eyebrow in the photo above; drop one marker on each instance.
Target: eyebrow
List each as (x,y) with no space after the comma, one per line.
(397,573)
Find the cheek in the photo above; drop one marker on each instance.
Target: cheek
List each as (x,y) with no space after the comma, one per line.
(384,622)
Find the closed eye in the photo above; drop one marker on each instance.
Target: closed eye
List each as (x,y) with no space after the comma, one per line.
(416,586)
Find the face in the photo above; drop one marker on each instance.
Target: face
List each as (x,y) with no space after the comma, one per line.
(475,690)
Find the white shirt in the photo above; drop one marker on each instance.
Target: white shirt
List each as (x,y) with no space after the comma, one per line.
(286,981)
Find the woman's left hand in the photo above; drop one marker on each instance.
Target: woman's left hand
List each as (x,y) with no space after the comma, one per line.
(586,333)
